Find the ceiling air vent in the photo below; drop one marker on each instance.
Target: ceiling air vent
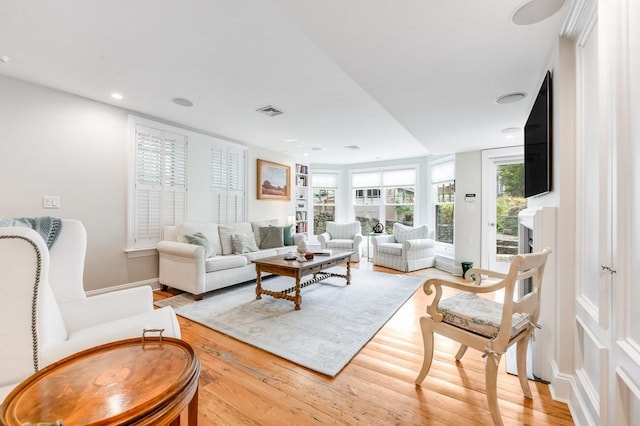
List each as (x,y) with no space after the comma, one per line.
(270,110)
(352,147)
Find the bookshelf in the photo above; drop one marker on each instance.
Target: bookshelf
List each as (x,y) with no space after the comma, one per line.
(302,198)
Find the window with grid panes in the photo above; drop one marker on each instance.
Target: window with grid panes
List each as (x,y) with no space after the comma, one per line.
(160,183)
(323,187)
(443,198)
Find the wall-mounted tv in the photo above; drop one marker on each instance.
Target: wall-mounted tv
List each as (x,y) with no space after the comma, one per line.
(537,143)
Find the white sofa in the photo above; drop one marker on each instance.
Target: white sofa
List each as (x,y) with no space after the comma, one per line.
(50,315)
(184,266)
(409,248)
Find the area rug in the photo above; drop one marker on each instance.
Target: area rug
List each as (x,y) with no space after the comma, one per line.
(335,320)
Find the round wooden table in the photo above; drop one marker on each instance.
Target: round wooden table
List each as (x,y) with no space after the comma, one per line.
(130,381)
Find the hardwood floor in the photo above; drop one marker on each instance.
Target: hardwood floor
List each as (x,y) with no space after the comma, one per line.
(242,385)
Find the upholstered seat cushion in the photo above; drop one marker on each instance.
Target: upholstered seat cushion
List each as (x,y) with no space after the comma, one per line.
(220,263)
(479,315)
(340,244)
(390,248)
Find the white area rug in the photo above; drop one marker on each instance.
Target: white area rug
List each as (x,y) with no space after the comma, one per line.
(334,323)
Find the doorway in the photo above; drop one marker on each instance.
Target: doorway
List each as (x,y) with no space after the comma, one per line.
(503,196)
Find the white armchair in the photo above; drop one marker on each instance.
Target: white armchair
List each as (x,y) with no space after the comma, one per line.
(50,315)
(409,248)
(343,236)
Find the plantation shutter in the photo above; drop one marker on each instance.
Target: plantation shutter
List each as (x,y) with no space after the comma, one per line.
(161,183)
(228,184)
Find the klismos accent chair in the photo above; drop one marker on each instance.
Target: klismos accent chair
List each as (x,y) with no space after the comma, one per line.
(486,325)
(343,236)
(44,312)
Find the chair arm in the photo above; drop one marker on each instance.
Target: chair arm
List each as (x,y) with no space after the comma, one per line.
(418,244)
(381,239)
(357,239)
(438,283)
(176,248)
(323,238)
(115,305)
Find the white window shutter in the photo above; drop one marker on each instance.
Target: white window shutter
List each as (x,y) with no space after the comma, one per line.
(228,184)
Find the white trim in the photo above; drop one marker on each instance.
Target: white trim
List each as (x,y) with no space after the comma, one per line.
(154,283)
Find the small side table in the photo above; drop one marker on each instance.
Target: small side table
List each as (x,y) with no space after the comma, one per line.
(133,381)
(369,235)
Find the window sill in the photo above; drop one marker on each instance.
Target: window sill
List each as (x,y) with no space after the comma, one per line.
(143,252)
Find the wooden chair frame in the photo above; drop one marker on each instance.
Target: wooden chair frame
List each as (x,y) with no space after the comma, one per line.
(523,266)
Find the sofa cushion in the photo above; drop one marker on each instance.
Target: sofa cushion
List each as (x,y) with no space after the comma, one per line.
(209,230)
(220,263)
(271,237)
(479,315)
(244,243)
(255,227)
(261,254)
(340,244)
(227,230)
(394,249)
(403,233)
(287,235)
(200,240)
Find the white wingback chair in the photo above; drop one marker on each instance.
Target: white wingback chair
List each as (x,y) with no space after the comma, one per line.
(44,312)
(343,236)
(409,248)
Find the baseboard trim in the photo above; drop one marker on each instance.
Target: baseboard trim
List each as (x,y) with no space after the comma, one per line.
(154,283)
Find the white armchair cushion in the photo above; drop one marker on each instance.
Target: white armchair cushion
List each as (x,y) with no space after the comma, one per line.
(403,233)
(343,231)
(479,315)
(390,248)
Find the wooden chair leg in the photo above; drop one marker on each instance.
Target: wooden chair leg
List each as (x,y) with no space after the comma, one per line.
(461,351)
(427,339)
(521,354)
(491,383)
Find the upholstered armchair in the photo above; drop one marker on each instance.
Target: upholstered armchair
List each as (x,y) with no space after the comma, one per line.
(343,236)
(409,248)
(45,312)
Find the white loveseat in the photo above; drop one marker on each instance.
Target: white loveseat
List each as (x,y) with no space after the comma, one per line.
(185,266)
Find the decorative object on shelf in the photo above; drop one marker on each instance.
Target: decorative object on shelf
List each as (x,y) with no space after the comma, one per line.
(378,228)
(308,256)
(302,249)
(273,181)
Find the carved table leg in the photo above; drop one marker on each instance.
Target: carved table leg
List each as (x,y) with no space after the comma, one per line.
(258,283)
(349,271)
(297,299)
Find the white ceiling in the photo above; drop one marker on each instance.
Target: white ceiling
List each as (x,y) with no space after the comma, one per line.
(399,79)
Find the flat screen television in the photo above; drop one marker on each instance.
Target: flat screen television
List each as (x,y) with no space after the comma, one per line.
(537,143)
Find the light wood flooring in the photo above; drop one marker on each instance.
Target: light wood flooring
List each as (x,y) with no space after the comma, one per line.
(243,385)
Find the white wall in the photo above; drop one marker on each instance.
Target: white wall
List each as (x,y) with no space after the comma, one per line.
(468,214)
(54,143)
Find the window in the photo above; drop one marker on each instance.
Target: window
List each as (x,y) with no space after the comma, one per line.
(397,205)
(443,198)
(228,189)
(160,183)
(323,186)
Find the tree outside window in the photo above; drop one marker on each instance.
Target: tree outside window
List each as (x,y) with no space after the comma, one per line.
(324,208)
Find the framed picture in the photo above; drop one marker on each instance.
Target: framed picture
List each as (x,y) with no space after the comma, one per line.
(273,181)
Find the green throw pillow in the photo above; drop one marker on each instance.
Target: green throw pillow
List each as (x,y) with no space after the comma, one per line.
(271,237)
(244,243)
(287,235)
(199,239)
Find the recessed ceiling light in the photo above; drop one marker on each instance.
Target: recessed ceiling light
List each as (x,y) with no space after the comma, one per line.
(4,59)
(536,11)
(306,154)
(317,148)
(182,102)
(291,140)
(511,98)
(511,130)
(117,96)
(270,110)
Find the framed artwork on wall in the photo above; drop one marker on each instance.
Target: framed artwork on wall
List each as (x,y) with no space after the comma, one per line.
(273,181)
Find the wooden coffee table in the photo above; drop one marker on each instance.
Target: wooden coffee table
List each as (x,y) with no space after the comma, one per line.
(130,381)
(292,268)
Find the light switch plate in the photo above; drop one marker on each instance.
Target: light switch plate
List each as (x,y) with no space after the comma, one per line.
(50,202)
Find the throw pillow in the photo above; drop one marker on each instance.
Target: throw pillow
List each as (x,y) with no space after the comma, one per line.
(271,237)
(403,233)
(199,239)
(255,227)
(244,243)
(287,235)
(229,229)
